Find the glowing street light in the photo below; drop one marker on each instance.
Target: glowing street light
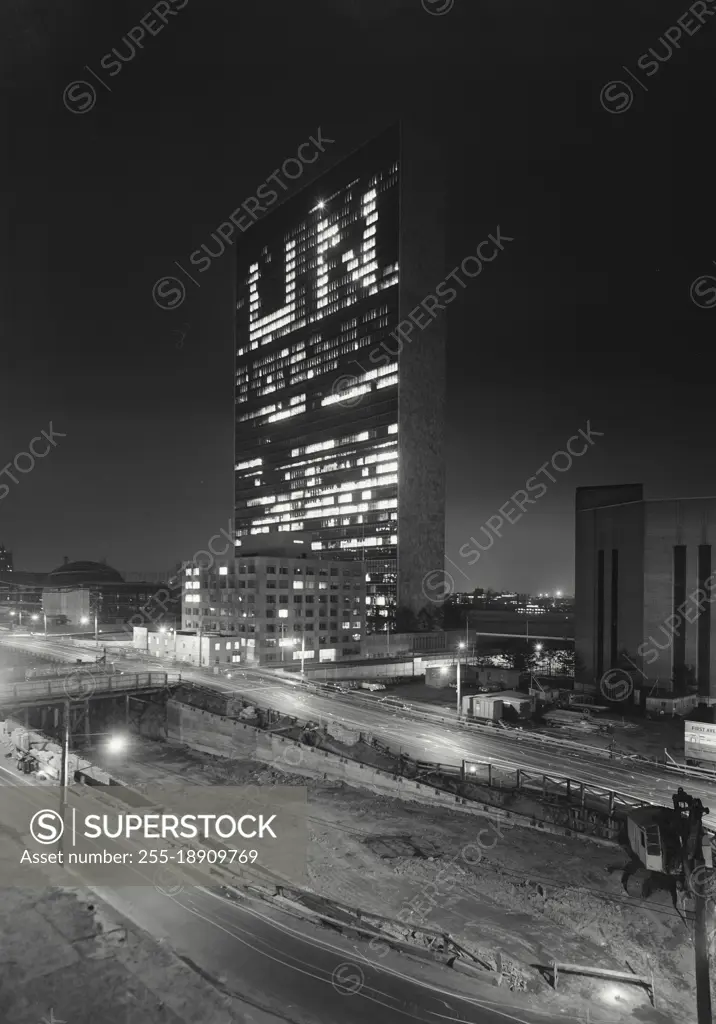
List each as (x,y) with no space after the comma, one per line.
(116,744)
(85,620)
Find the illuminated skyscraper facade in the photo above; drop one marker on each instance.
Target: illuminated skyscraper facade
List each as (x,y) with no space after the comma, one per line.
(329,411)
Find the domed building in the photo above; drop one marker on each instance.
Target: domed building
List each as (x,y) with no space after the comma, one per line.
(76,592)
(83,574)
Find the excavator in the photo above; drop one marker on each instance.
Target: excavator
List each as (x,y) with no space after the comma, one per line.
(670,848)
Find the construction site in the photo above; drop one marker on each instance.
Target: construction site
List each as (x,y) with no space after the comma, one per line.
(532,884)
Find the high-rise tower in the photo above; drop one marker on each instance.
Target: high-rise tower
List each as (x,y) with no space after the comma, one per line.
(339,397)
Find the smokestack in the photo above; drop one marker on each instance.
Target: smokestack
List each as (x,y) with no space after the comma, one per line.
(66,561)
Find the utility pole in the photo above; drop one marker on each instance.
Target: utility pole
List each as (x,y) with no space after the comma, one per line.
(64,764)
(303,652)
(458,684)
(699,877)
(701,952)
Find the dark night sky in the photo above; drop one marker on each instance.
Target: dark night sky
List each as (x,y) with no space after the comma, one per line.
(585,316)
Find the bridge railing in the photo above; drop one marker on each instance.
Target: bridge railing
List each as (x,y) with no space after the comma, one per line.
(82,685)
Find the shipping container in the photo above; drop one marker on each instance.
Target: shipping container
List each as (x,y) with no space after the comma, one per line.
(482,708)
(521,704)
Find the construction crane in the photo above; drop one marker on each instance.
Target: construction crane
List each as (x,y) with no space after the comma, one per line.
(671,849)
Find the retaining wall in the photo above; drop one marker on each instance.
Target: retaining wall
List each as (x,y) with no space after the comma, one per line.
(223,737)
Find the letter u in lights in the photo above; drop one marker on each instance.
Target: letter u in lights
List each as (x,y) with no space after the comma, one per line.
(363,271)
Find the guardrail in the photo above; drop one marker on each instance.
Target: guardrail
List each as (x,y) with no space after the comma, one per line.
(544,786)
(546,783)
(470,726)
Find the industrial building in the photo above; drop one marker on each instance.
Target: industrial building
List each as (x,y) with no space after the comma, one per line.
(339,397)
(644,588)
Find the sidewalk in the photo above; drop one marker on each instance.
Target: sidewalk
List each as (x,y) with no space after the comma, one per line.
(69,958)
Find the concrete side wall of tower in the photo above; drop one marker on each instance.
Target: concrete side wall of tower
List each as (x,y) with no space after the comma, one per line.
(421,414)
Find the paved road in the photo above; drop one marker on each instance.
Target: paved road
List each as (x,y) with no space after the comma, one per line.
(419,734)
(294,970)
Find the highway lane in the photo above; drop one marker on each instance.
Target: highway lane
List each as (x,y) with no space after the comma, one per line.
(429,740)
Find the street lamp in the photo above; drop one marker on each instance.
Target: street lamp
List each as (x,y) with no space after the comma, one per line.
(461,647)
(116,743)
(84,621)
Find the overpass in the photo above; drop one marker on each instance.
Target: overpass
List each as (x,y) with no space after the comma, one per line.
(75,685)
